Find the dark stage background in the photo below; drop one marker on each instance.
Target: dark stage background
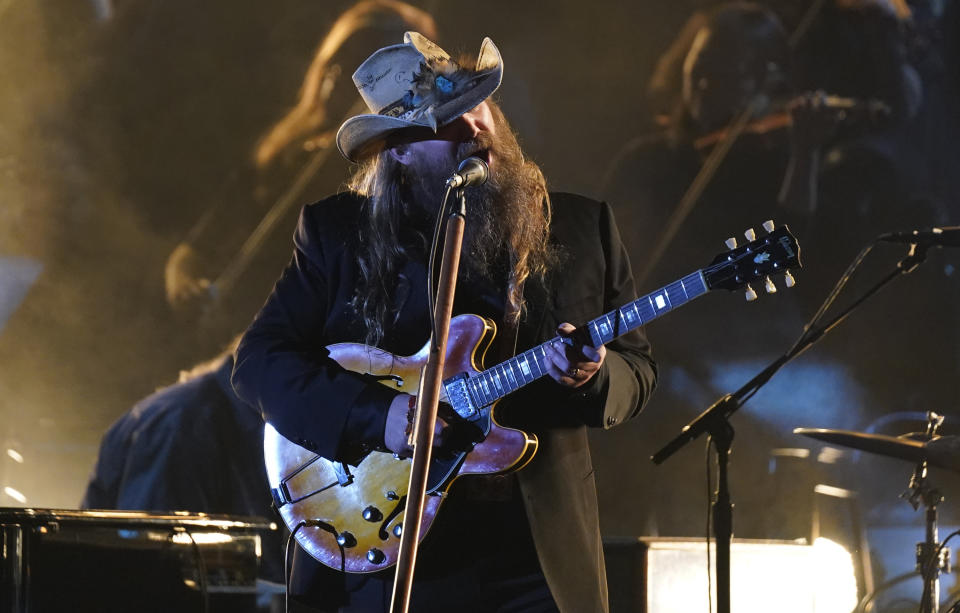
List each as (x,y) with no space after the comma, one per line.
(122,122)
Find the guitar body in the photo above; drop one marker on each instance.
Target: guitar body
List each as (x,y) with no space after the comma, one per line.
(363,505)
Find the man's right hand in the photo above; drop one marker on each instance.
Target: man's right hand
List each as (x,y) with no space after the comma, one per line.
(399,415)
(395,434)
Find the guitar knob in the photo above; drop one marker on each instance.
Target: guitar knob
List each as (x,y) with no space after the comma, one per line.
(750,234)
(769,286)
(788,279)
(731,242)
(345,540)
(751,295)
(768,225)
(375,556)
(392,495)
(372,514)
(398,530)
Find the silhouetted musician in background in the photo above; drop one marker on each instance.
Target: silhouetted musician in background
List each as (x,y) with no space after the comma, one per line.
(192,446)
(217,276)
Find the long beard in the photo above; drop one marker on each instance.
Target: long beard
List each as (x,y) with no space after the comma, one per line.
(495,210)
(508,221)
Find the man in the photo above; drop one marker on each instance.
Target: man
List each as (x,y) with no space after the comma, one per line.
(531,543)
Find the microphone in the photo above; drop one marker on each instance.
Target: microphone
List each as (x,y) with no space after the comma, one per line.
(471,171)
(934,237)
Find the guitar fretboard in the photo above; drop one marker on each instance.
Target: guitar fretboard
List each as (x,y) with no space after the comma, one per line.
(496,382)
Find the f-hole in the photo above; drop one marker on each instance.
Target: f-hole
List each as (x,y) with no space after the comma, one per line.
(397,379)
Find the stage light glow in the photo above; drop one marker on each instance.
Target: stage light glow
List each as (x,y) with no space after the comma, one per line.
(17,275)
(15,494)
(15,455)
(834,577)
(201,538)
(823,392)
(765,576)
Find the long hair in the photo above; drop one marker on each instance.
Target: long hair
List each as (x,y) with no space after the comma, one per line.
(517,221)
(310,114)
(381,254)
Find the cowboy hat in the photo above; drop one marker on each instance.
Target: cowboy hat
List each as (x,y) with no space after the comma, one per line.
(415,84)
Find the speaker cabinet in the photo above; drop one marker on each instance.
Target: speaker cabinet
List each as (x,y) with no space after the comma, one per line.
(663,575)
(56,561)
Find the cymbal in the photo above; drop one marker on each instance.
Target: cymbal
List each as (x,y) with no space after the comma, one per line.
(942,451)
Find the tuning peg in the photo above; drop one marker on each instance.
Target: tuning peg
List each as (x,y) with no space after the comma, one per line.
(750,234)
(751,295)
(768,225)
(731,242)
(788,279)
(769,286)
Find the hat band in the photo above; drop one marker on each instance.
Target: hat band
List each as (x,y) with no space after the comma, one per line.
(431,88)
(401,109)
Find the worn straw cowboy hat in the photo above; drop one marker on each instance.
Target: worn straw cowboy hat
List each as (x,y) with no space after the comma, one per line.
(415,84)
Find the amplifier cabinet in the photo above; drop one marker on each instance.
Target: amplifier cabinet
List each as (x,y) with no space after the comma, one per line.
(112,561)
(669,575)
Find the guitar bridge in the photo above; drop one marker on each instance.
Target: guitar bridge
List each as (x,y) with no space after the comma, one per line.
(458,396)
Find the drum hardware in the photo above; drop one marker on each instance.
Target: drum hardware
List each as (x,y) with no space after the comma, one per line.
(925,449)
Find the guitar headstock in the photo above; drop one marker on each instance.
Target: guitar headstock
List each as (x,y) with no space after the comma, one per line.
(776,253)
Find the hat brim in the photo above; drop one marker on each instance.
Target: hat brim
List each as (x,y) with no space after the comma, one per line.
(363,135)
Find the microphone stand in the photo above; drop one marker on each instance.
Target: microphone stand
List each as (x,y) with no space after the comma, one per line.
(428,399)
(715,422)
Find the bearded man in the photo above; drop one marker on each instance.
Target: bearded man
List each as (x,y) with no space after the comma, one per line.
(533,261)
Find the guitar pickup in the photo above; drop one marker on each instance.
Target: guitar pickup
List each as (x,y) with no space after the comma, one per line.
(396,379)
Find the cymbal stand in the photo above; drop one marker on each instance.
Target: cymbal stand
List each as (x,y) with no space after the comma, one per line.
(932,558)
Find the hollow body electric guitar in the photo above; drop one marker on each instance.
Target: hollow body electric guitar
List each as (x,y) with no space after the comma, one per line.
(350,517)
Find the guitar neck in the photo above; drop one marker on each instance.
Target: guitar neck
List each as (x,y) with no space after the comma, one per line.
(496,382)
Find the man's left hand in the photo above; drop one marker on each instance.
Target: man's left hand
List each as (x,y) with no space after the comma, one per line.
(573,366)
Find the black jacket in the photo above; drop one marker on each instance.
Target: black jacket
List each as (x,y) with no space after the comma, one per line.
(283,369)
